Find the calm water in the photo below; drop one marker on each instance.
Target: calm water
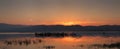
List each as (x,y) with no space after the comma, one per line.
(83,40)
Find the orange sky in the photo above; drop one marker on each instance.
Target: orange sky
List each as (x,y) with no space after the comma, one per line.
(67,12)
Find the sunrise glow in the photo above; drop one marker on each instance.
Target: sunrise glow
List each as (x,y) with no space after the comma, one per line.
(53,12)
(68,23)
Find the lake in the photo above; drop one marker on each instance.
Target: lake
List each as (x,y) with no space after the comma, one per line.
(82,40)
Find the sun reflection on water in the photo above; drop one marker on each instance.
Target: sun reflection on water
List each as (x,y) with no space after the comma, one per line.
(83,42)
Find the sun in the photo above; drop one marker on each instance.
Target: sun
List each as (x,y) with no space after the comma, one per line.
(68,23)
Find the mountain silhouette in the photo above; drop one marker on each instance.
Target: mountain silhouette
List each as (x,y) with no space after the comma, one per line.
(35,28)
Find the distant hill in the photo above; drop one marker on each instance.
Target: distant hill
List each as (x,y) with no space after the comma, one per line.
(35,28)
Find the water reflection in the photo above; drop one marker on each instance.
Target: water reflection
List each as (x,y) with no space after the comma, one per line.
(84,42)
(112,45)
(62,41)
(22,42)
(49,47)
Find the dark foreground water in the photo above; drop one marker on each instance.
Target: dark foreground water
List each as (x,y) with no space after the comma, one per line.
(83,40)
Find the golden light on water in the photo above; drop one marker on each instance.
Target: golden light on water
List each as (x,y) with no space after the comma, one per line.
(69,39)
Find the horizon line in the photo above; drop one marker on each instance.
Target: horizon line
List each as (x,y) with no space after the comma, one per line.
(61,24)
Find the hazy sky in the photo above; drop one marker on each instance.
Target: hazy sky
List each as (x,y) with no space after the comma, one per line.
(51,12)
